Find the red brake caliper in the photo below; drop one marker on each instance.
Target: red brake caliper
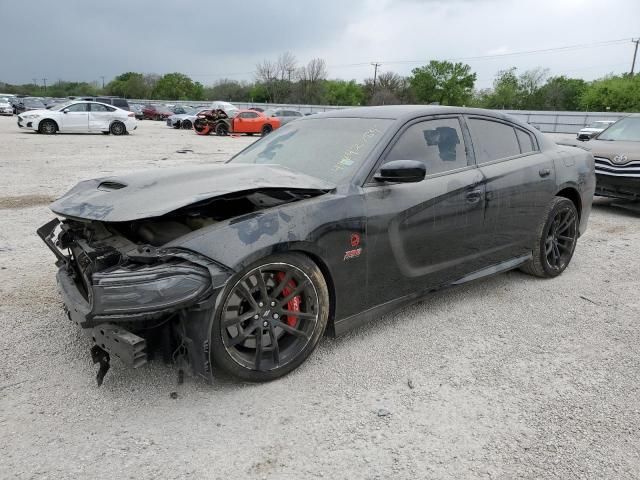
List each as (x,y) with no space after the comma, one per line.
(294,304)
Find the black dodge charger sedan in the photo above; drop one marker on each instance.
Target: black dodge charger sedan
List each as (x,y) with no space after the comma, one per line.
(329,222)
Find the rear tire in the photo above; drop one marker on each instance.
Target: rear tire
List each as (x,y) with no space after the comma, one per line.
(271,317)
(556,238)
(266,130)
(118,128)
(47,127)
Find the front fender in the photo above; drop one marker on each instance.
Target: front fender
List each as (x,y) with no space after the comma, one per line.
(331,228)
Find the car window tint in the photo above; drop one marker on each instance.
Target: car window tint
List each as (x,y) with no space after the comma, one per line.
(525,140)
(493,140)
(78,107)
(120,103)
(249,115)
(96,107)
(437,143)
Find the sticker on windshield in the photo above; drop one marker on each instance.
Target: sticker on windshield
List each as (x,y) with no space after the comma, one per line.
(347,159)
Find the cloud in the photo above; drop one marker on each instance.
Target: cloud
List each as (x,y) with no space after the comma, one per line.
(76,39)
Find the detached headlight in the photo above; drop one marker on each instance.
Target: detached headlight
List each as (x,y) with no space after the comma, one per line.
(147,288)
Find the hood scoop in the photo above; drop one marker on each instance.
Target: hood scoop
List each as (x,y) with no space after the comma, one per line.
(109,185)
(154,193)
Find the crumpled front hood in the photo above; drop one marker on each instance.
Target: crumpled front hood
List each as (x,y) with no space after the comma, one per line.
(154,193)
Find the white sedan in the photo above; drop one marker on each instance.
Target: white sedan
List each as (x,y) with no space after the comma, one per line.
(79,117)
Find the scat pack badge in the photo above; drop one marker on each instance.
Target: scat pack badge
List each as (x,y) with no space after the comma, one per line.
(356,250)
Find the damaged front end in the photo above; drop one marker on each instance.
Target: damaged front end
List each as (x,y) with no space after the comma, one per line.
(131,298)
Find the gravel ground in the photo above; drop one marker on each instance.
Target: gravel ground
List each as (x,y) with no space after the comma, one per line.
(508,377)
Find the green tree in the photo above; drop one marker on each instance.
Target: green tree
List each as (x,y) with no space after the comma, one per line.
(616,93)
(561,93)
(129,85)
(444,82)
(177,86)
(341,92)
(506,91)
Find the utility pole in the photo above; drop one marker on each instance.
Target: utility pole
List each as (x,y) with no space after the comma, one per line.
(44,82)
(375,75)
(635,54)
(35,81)
(102,77)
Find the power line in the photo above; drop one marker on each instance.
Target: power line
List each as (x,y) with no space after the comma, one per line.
(566,48)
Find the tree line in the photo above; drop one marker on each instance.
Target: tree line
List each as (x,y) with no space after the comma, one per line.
(283,80)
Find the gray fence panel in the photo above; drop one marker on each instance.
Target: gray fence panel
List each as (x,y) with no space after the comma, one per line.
(546,121)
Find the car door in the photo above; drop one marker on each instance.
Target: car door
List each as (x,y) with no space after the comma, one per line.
(423,235)
(75,117)
(100,117)
(520,183)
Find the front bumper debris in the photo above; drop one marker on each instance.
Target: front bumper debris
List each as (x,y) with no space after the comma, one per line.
(120,295)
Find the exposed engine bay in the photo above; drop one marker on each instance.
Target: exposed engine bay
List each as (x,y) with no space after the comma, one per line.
(159,231)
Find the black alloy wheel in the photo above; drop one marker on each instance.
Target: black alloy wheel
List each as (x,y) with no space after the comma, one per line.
(186,125)
(267,129)
(556,240)
(271,319)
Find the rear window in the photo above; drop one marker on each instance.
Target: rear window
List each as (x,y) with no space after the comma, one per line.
(121,103)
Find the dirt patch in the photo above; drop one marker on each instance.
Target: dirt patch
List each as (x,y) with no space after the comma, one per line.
(25,201)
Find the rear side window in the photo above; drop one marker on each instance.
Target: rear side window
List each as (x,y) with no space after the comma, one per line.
(526,141)
(96,107)
(438,143)
(493,140)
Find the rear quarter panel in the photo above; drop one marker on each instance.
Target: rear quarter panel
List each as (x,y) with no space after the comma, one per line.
(575,169)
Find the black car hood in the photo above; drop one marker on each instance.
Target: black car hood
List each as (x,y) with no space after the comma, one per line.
(153,193)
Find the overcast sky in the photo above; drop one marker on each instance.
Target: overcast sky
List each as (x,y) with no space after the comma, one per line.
(84,40)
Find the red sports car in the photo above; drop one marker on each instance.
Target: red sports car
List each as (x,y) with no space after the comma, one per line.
(246,121)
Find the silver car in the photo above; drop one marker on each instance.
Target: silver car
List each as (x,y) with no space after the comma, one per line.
(594,128)
(5,106)
(285,116)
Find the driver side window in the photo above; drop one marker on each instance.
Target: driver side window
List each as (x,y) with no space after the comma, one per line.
(439,144)
(78,107)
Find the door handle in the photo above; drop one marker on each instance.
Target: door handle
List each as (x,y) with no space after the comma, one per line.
(544,172)
(474,196)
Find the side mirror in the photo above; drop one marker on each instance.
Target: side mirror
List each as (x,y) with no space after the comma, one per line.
(402,171)
(66,110)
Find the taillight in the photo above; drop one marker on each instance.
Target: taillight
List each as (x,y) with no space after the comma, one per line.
(131,115)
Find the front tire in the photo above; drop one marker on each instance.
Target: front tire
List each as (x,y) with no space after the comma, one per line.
(266,130)
(222,130)
(271,317)
(118,128)
(47,127)
(186,125)
(556,239)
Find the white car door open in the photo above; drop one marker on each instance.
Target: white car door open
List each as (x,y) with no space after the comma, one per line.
(76,117)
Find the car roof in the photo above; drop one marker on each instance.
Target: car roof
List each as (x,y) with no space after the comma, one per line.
(397,112)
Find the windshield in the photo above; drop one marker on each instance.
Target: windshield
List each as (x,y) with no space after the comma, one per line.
(33,102)
(62,106)
(627,129)
(327,148)
(599,124)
